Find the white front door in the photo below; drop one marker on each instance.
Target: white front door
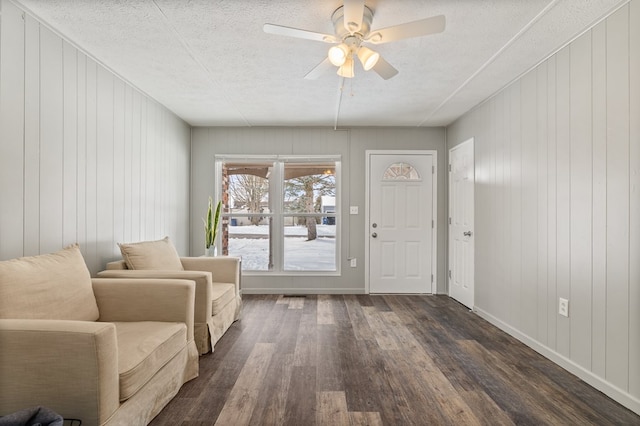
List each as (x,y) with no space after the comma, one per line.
(461,213)
(400,222)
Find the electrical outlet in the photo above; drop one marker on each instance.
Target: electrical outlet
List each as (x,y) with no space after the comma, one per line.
(354,263)
(353,209)
(563,307)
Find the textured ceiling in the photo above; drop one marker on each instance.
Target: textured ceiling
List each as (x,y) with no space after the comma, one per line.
(210,62)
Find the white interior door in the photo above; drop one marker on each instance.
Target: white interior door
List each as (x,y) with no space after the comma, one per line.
(461,230)
(400,222)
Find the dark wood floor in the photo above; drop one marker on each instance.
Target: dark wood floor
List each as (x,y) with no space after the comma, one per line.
(379,360)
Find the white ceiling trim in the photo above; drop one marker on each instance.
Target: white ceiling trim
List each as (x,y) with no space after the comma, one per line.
(499,52)
(546,58)
(195,58)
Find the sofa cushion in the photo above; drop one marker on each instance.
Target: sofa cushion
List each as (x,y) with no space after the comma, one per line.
(144,348)
(222,294)
(49,286)
(145,255)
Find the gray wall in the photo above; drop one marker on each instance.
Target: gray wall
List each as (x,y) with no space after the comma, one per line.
(84,157)
(558,205)
(351,144)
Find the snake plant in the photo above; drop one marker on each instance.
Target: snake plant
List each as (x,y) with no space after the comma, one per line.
(211,224)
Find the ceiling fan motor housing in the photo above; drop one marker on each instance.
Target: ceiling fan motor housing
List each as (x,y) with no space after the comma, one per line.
(338,24)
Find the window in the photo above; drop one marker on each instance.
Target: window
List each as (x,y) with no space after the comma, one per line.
(280,214)
(401,171)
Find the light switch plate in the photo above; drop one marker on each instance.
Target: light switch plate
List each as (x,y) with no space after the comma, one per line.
(353,210)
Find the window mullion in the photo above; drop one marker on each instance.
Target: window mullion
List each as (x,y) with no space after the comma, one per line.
(276,199)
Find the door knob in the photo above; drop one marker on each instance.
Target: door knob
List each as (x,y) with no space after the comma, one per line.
(375,225)
(467,234)
(374,235)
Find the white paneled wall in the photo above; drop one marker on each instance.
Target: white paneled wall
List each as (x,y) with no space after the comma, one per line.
(84,156)
(558,205)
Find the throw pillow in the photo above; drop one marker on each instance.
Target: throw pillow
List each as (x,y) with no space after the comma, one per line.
(49,286)
(151,255)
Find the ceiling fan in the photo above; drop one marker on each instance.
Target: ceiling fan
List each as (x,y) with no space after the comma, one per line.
(352,25)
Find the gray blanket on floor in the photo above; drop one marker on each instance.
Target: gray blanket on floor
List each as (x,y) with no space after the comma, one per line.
(37,416)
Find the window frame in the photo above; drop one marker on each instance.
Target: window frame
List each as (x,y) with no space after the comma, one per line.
(277,208)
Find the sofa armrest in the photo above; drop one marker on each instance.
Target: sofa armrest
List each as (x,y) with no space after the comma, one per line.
(127,300)
(225,269)
(203,279)
(68,366)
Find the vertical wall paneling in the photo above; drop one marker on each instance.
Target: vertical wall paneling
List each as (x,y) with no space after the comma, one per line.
(91,169)
(51,141)
(599,200)
(144,196)
(515,246)
(31,171)
(482,220)
(127,150)
(12,42)
(136,180)
(104,164)
(581,201)
(81,154)
(68,157)
(498,221)
(563,188)
(634,193)
(542,201)
(617,354)
(158,181)
(528,199)
(119,179)
(552,298)
(506,206)
(150,178)
(492,176)
(70,148)
(587,142)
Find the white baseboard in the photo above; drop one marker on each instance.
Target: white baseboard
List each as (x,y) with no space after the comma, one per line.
(302,291)
(615,393)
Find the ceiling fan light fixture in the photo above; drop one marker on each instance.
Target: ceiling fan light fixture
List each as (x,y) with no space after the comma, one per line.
(346,69)
(368,57)
(338,54)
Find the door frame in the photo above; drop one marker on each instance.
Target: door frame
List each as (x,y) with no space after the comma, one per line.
(434,184)
(470,141)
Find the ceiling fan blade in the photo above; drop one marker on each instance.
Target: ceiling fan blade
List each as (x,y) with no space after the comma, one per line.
(298,33)
(353,14)
(320,69)
(423,27)
(384,69)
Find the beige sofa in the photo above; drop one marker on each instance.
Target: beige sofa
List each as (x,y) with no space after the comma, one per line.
(105,351)
(218,292)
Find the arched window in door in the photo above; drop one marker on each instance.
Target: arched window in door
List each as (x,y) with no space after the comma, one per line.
(401,171)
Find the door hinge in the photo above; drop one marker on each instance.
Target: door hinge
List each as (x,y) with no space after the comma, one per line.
(432,224)
(431,277)
(449,221)
(433,170)
(449,167)
(449,273)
